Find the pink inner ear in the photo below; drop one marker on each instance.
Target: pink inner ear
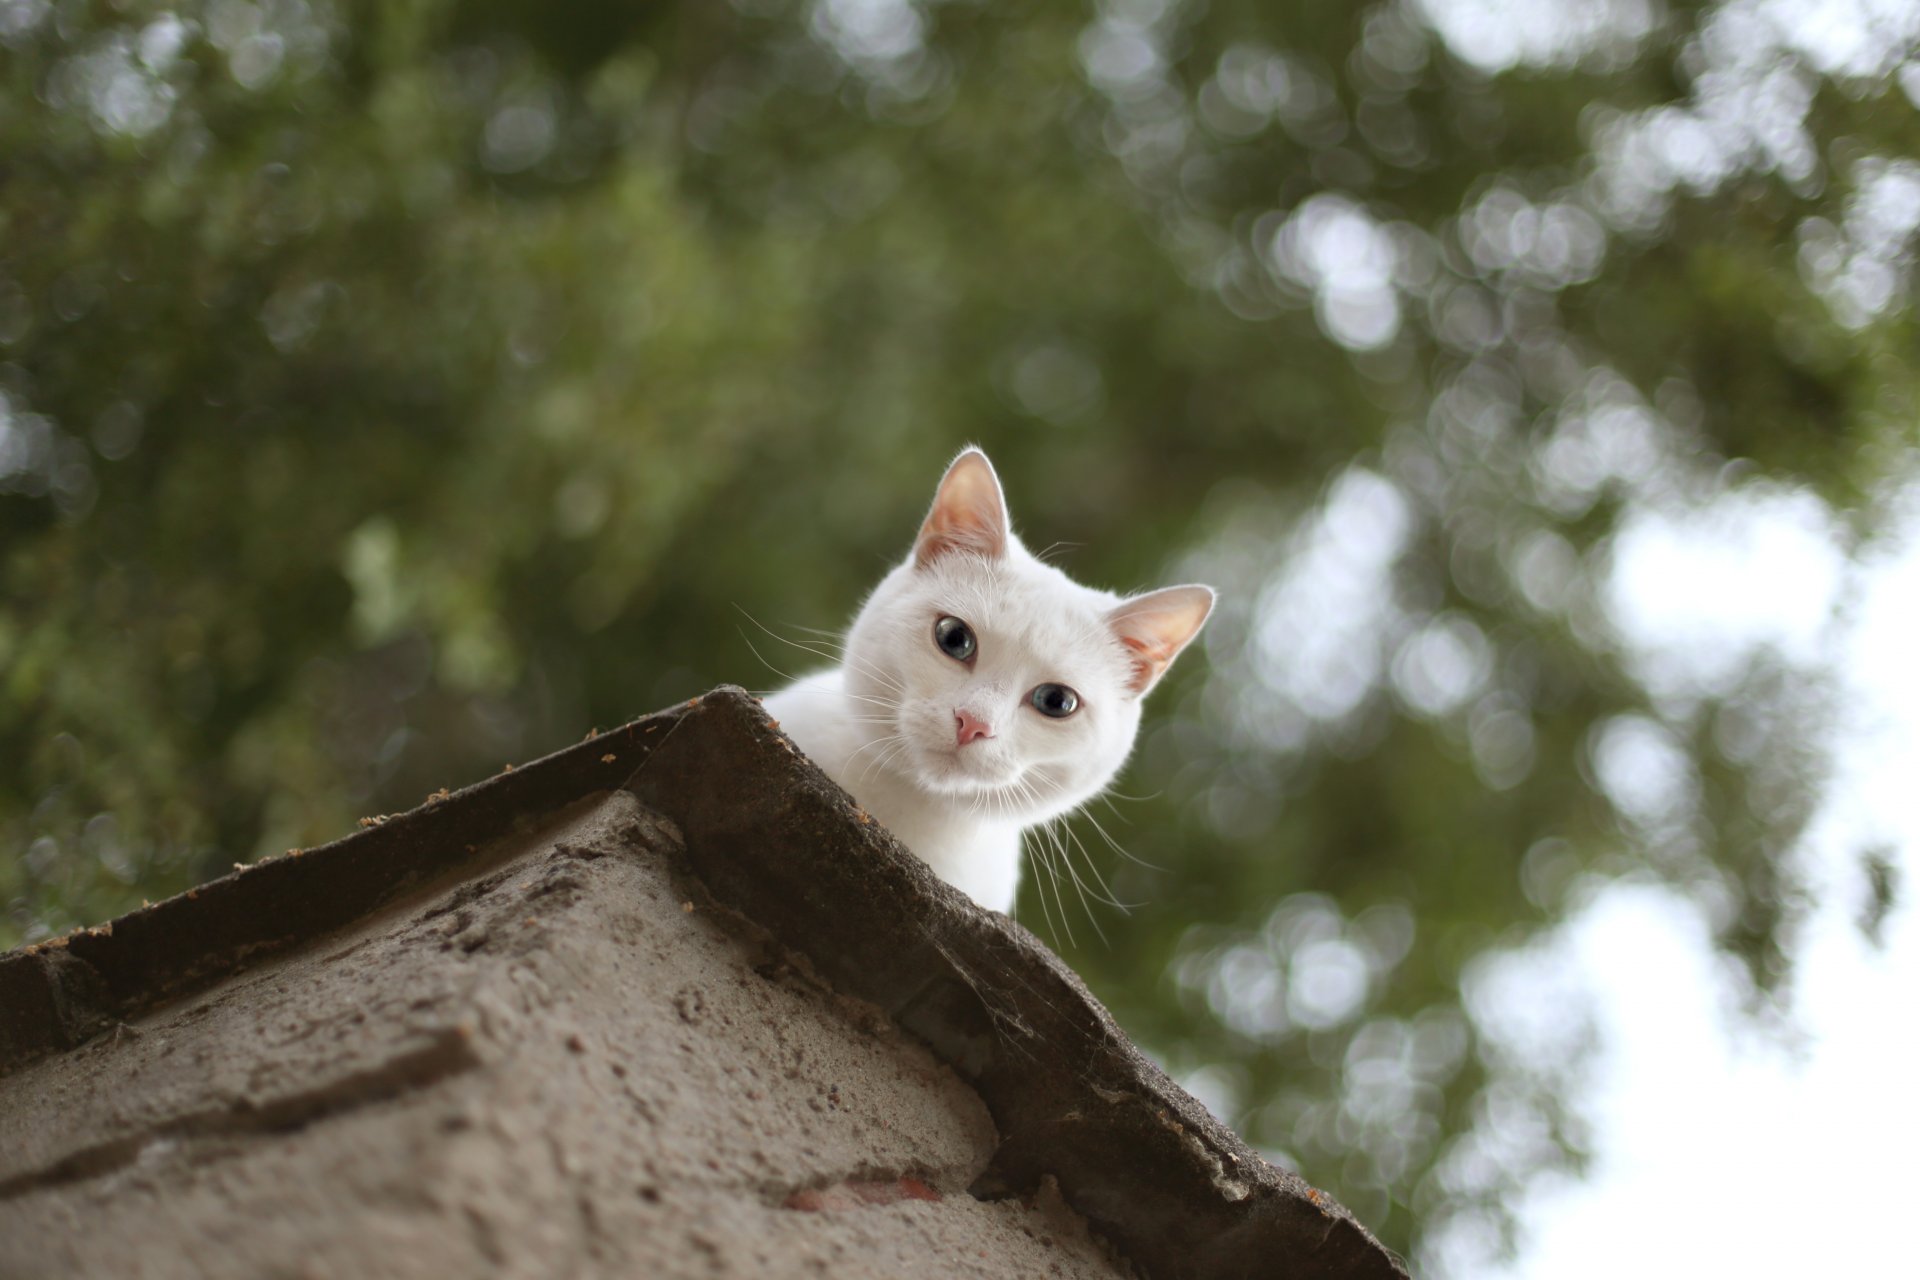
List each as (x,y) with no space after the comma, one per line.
(968,513)
(1157,626)
(1147,666)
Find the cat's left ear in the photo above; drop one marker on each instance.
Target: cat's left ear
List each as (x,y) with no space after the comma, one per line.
(969,513)
(1155,627)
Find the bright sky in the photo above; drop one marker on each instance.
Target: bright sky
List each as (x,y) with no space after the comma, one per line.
(1718,1150)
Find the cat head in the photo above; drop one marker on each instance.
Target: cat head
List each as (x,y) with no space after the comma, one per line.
(1009,685)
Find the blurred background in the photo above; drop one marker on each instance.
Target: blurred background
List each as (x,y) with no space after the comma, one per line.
(391,391)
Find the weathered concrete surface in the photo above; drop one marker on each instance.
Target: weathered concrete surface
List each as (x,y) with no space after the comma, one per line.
(555,1069)
(487,1036)
(48,1002)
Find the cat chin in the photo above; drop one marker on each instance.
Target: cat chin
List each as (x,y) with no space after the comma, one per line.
(1005,802)
(947,773)
(961,787)
(1017,795)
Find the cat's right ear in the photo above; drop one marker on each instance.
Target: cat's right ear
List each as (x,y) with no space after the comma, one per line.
(1155,627)
(969,514)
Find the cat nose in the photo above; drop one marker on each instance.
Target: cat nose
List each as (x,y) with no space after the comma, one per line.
(969,728)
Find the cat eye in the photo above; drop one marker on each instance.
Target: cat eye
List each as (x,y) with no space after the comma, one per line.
(955,639)
(1054,700)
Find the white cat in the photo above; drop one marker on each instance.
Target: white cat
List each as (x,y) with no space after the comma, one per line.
(981,691)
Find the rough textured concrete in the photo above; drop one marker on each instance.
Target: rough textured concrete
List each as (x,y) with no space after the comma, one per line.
(555,1069)
(664,1003)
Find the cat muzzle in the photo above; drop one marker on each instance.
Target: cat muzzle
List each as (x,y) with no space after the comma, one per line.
(969,728)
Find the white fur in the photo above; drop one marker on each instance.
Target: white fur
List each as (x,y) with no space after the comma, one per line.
(882,724)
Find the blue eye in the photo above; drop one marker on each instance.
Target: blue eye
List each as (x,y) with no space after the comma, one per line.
(1054,700)
(955,639)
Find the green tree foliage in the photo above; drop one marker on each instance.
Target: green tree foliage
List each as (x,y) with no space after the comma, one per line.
(391,391)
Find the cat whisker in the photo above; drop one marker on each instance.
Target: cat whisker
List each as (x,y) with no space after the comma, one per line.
(886,704)
(881,761)
(874,742)
(1105,893)
(1080,889)
(991,802)
(787,676)
(874,766)
(1040,889)
(1047,864)
(874,673)
(866,667)
(1118,848)
(862,665)
(1059,895)
(1047,554)
(1043,773)
(827,642)
(1062,835)
(870,744)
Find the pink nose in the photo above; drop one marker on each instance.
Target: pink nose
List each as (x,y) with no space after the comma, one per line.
(969,728)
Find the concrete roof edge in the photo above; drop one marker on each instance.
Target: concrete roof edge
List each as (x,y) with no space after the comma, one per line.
(57,994)
(771,837)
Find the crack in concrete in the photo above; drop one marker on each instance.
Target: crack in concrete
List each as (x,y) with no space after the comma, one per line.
(448,1052)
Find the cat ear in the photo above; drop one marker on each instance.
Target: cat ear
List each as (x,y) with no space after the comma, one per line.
(968,513)
(1155,627)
